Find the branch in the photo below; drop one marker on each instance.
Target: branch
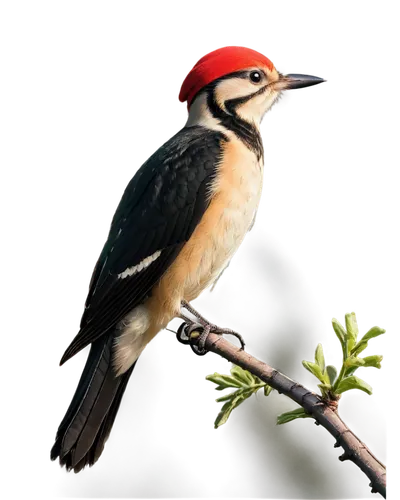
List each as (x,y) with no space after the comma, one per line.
(324,413)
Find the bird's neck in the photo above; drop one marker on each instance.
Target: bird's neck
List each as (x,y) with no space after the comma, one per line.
(205,111)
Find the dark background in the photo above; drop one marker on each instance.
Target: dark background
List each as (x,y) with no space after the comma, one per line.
(114,102)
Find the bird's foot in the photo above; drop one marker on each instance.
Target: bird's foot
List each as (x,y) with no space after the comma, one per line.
(199,333)
(226,331)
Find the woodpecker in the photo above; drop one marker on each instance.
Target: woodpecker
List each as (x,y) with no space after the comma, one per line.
(179,222)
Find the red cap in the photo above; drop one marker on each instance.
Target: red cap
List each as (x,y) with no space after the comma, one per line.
(218,63)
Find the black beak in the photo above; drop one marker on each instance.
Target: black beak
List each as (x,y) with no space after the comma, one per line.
(294,81)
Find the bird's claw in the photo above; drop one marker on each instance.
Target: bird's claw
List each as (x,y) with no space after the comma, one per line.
(196,334)
(228,331)
(188,333)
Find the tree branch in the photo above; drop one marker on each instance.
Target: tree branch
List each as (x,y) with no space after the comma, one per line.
(324,413)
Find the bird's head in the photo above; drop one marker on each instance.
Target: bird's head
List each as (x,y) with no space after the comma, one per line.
(237,82)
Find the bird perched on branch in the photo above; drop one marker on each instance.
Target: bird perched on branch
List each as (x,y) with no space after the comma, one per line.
(179,222)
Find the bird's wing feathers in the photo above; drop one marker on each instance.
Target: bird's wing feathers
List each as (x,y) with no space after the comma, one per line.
(157,214)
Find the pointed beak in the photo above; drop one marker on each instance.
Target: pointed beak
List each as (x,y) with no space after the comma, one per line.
(294,81)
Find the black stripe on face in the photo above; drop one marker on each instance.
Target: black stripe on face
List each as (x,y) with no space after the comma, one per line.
(232,104)
(245,131)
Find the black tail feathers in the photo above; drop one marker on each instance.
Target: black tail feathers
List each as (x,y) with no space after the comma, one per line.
(89,419)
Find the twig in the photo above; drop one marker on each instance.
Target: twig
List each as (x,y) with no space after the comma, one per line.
(325,414)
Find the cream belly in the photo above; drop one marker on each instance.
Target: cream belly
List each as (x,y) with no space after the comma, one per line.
(235,199)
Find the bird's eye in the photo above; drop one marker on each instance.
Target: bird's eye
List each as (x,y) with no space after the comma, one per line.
(255,76)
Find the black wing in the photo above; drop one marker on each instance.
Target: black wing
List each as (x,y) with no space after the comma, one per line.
(158,212)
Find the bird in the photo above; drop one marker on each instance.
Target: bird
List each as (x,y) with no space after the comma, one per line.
(180,220)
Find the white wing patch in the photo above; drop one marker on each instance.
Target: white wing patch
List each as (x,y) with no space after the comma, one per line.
(130,271)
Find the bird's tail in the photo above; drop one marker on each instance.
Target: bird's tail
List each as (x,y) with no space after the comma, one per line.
(87,424)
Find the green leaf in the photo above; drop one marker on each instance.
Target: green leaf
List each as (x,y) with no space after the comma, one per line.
(351,370)
(353,382)
(267,390)
(315,370)
(319,357)
(375,331)
(363,344)
(232,401)
(298,410)
(352,330)
(229,406)
(353,361)
(332,373)
(223,381)
(339,332)
(351,342)
(243,376)
(228,397)
(351,364)
(352,324)
(223,416)
(292,415)
(374,361)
